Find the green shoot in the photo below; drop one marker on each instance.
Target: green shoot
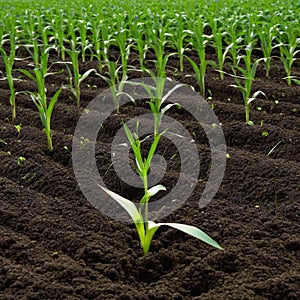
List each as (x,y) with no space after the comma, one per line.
(244,82)
(199,41)
(74,75)
(145,227)
(40,97)
(8,60)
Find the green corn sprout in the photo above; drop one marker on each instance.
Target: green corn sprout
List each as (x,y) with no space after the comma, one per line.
(96,41)
(158,40)
(267,35)
(74,75)
(106,37)
(57,28)
(289,48)
(20,160)
(40,97)
(45,111)
(122,42)
(178,36)
(294,79)
(244,82)
(233,38)
(44,30)
(8,60)
(199,41)
(137,32)
(82,28)
(218,34)
(145,227)
(157,98)
(115,84)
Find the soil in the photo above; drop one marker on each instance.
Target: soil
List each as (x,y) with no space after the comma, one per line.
(55,245)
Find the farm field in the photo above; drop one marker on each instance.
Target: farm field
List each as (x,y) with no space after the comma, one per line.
(242,58)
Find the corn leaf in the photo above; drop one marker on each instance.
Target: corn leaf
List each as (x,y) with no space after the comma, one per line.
(191,230)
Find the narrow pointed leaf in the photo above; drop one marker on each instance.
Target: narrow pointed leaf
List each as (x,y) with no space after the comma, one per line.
(191,230)
(126,204)
(155,189)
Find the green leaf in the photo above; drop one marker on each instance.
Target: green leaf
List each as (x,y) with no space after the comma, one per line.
(191,230)
(155,189)
(86,74)
(135,148)
(177,86)
(167,107)
(29,75)
(255,95)
(52,103)
(126,204)
(152,151)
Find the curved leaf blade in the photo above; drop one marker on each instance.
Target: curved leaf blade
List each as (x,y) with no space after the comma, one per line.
(191,230)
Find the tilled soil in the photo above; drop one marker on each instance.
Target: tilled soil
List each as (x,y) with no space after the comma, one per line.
(55,245)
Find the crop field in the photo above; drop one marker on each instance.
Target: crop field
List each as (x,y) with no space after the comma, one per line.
(62,231)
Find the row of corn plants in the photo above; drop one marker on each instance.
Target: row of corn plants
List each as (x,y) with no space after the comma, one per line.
(86,32)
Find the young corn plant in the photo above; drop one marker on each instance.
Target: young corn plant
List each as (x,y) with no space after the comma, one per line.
(137,29)
(84,43)
(244,82)
(57,28)
(106,38)
(96,41)
(233,38)
(40,98)
(145,227)
(178,36)
(267,36)
(199,41)
(114,82)
(158,39)
(218,34)
(8,60)
(289,48)
(74,75)
(123,42)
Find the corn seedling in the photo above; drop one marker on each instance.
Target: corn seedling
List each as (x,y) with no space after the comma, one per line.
(139,44)
(233,38)
(57,29)
(106,38)
(267,35)
(218,35)
(178,36)
(158,40)
(95,29)
(157,98)
(84,43)
(145,227)
(114,82)
(199,41)
(123,42)
(40,97)
(8,60)
(20,160)
(74,75)
(18,127)
(289,48)
(294,79)
(244,82)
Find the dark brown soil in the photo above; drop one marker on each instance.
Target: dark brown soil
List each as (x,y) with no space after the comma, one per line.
(55,245)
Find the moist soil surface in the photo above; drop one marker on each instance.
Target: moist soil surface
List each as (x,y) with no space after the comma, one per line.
(55,245)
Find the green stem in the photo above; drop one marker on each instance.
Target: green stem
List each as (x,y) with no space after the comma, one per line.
(247,113)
